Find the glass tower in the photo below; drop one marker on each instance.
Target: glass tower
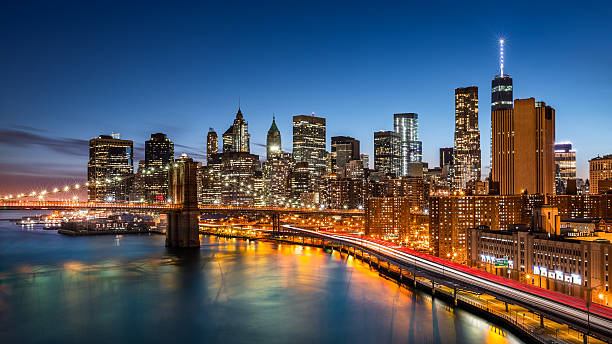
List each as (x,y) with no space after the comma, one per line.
(406,125)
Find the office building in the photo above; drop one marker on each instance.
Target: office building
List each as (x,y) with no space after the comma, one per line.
(210,181)
(466,153)
(276,178)
(406,125)
(110,165)
(159,154)
(523,148)
(238,178)
(446,156)
(309,144)
(343,150)
(565,166)
(237,138)
(212,144)
(600,169)
(387,152)
(273,141)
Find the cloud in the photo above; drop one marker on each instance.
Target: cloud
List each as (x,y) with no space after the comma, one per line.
(17,136)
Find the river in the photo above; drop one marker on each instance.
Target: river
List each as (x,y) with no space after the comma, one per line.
(129,289)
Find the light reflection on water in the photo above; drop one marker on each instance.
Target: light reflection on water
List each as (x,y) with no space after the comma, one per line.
(62,289)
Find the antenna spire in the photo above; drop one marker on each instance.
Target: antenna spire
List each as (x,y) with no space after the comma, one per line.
(501,57)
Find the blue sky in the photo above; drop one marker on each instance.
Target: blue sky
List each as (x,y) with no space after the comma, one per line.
(72,71)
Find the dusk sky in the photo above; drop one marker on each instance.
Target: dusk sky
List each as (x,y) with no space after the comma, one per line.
(72,71)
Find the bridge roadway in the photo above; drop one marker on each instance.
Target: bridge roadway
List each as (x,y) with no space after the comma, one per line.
(170,207)
(594,319)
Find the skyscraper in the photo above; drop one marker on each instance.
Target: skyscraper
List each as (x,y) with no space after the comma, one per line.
(237,138)
(365,160)
(159,153)
(466,153)
(501,85)
(565,165)
(446,156)
(212,144)
(276,179)
(343,150)
(309,143)
(387,152)
(600,169)
(111,161)
(523,148)
(273,142)
(406,125)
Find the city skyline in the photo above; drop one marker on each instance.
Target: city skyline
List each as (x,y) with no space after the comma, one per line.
(58,111)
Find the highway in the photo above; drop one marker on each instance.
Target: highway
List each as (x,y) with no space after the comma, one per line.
(596,319)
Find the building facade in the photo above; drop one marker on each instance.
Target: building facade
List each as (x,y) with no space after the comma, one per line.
(600,169)
(406,125)
(466,153)
(387,152)
(565,166)
(523,148)
(212,144)
(237,138)
(159,154)
(273,140)
(309,144)
(111,164)
(343,150)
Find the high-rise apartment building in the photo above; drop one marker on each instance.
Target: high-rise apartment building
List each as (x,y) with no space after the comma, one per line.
(237,138)
(309,143)
(273,142)
(212,144)
(343,150)
(159,153)
(565,165)
(387,152)
(466,153)
(111,162)
(406,125)
(600,169)
(523,148)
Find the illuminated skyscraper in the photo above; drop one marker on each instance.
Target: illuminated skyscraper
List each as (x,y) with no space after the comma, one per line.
(159,153)
(237,138)
(446,156)
(343,150)
(111,162)
(501,86)
(523,148)
(387,152)
(466,153)
(212,144)
(273,143)
(565,165)
(309,143)
(600,170)
(406,125)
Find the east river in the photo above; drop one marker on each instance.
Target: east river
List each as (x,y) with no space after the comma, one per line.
(131,289)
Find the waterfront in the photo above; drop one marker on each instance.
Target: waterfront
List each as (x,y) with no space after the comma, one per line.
(107,289)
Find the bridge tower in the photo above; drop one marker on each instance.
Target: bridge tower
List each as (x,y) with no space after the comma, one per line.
(183,228)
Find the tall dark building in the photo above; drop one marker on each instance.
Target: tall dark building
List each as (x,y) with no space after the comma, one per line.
(446,156)
(343,150)
(212,144)
(273,143)
(466,153)
(159,153)
(309,144)
(111,162)
(406,125)
(387,152)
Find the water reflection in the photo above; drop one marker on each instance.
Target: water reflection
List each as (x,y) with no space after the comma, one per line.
(60,289)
